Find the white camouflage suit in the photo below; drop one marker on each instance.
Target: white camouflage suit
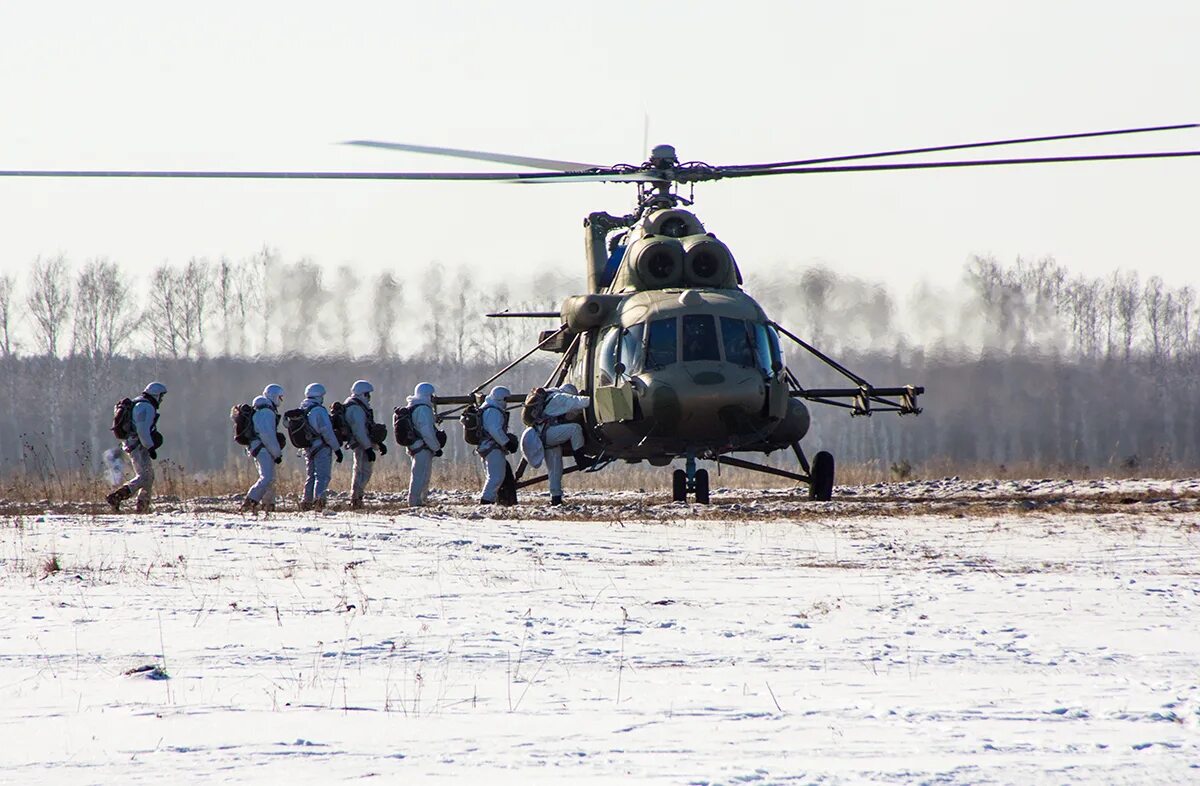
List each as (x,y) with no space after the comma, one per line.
(493,439)
(359,417)
(264,449)
(560,403)
(138,446)
(424,421)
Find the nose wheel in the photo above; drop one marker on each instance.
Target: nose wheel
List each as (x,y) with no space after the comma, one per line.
(690,481)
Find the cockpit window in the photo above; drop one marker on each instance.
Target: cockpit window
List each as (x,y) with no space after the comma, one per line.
(606,357)
(736,338)
(700,338)
(766,349)
(632,348)
(661,344)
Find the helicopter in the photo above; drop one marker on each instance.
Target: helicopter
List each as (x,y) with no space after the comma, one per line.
(679,361)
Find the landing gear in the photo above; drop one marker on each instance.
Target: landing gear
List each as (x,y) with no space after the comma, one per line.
(690,480)
(679,486)
(820,485)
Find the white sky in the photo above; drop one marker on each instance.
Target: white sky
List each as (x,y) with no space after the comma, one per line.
(267,85)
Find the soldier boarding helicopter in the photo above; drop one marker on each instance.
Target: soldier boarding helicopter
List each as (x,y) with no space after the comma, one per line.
(680,362)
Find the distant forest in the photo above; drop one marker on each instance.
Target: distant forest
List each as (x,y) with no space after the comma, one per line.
(1024,362)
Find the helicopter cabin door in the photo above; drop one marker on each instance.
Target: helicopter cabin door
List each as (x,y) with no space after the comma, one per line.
(618,353)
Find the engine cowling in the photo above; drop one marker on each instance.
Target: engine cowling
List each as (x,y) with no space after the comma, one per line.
(708,262)
(584,312)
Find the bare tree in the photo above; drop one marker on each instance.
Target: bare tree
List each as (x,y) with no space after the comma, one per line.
(49,301)
(1126,297)
(195,285)
(385,309)
(103,319)
(432,307)
(345,307)
(164,318)
(8,319)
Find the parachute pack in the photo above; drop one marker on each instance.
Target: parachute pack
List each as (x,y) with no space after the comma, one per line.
(122,425)
(533,413)
(472,424)
(341,429)
(299,431)
(242,416)
(403,426)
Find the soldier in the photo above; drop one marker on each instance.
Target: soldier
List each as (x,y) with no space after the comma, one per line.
(561,403)
(141,443)
(428,444)
(360,419)
(319,455)
(495,443)
(265,449)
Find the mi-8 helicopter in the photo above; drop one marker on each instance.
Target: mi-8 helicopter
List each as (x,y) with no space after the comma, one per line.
(679,361)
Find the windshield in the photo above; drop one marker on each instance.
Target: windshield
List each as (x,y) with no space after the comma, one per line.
(661,343)
(735,335)
(700,338)
(606,357)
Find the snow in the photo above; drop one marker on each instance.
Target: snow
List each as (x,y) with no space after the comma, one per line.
(804,645)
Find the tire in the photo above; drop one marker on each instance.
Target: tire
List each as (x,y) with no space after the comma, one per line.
(820,485)
(702,487)
(679,486)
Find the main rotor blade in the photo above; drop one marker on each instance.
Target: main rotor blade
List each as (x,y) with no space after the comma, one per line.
(969,145)
(479,155)
(497,177)
(950,164)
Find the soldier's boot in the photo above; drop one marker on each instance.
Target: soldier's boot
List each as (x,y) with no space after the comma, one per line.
(483,501)
(249,505)
(267,506)
(582,461)
(319,503)
(306,505)
(118,496)
(143,506)
(356,502)
(556,499)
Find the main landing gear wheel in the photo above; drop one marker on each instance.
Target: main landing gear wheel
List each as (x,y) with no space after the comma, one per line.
(679,486)
(701,486)
(820,484)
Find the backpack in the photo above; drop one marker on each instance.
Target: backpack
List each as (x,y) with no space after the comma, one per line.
(534,411)
(403,427)
(298,428)
(341,429)
(472,423)
(122,424)
(242,416)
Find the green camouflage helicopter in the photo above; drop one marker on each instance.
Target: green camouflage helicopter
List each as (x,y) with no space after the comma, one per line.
(679,361)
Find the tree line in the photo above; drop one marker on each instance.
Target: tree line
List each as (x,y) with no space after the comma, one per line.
(1023,361)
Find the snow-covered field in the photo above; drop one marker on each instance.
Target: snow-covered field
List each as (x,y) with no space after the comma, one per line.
(792,642)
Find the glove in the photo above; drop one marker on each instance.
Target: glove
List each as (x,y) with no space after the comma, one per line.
(279,459)
(382,449)
(513,443)
(441,437)
(437,453)
(370,454)
(153,454)
(338,455)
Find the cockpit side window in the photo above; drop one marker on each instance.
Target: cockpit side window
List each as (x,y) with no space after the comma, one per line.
(766,349)
(662,343)
(735,336)
(606,356)
(633,348)
(700,338)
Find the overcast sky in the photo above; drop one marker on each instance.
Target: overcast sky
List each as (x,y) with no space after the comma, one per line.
(264,85)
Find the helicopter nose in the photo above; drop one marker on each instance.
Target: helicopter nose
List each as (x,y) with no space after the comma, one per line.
(709,403)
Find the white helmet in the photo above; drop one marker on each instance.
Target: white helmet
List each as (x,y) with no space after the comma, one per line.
(315,390)
(499,394)
(570,389)
(424,390)
(362,388)
(274,394)
(155,390)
